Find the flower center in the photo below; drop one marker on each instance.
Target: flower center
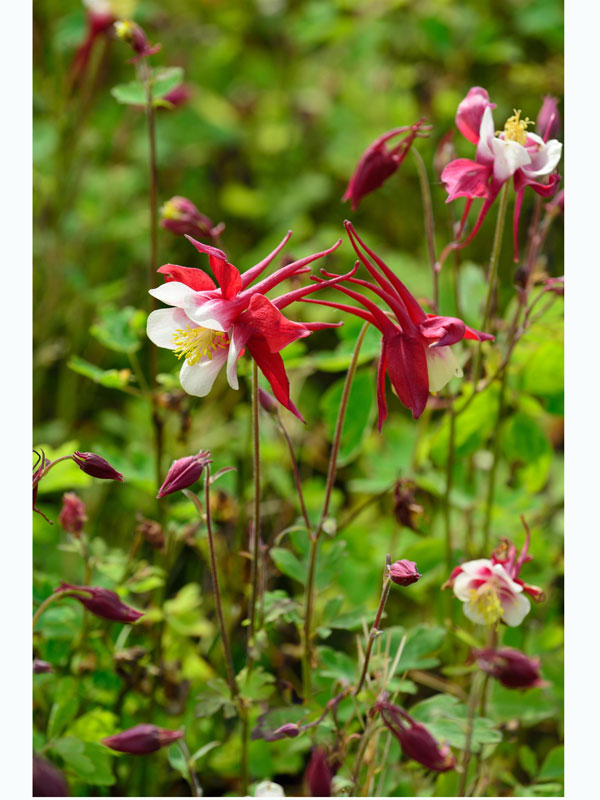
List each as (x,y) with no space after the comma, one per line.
(169,210)
(486,602)
(196,344)
(515,128)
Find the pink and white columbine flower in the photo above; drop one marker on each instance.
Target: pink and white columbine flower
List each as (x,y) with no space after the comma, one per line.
(512,153)
(209,326)
(488,593)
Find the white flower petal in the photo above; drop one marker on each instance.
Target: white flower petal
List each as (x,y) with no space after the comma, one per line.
(218,315)
(198,379)
(516,610)
(173,293)
(163,323)
(472,613)
(462,586)
(237,339)
(486,134)
(507,581)
(508,157)
(442,366)
(268,789)
(546,159)
(474,568)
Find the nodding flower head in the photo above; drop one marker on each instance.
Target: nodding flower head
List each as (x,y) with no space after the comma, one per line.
(72,515)
(131,33)
(142,739)
(96,466)
(184,473)
(180,216)
(102,602)
(511,667)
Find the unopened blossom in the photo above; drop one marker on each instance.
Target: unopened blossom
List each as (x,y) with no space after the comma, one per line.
(184,472)
(318,773)
(96,466)
(380,160)
(47,780)
(180,216)
(40,667)
(404,572)
(548,119)
(102,602)
(415,346)
(415,740)
(131,33)
(268,789)
(142,739)
(72,515)
(514,153)
(175,98)
(511,667)
(210,327)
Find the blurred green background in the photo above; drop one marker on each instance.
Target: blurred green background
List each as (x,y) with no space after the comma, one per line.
(285,96)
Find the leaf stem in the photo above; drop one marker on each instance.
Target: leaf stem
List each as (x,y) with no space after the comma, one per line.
(194,784)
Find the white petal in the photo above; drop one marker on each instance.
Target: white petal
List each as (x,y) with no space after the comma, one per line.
(515,610)
(486,134)
(545,160)
(268,789)
(508,157)
(198,379)
(442,366)
(462,586)
(474,568)
(237,339)
(507,581)
(163,323)
(472,613)
(173,293)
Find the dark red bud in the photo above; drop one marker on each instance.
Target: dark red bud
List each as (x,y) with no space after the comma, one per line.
(511,667)
(177,97)
(102,602)
(131,33)
(47,780)
(416,741)
(404,572)
(184,473)
(318,774)
(96,466)
(142,739)
(72,515)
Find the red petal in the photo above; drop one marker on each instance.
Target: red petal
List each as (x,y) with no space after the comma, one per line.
(228,277)
(407,368)
(264,319)
(466,178)
(196,279)
(271,366)
(443,330)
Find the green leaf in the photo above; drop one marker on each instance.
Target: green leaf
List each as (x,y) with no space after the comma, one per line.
(359,415)
(256,685)
(528,760)
(446,719)
(134,93)
(111,378)
(120,329)
(473,427)
(177,760)
(279,605)
(421,642)
(165,79)
(288,563)
(337,665)
(182,612)
(91,762)
(525,444)
(543,373)
(553,766)
(215,696)
(94,725)
(64,708)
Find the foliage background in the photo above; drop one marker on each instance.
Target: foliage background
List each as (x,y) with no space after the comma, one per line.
(285,97)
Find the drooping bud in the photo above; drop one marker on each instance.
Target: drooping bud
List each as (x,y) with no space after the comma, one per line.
(40,667)
(268,789)
(47,780)
(142,739)
(288,730)
(102,602)
(416,741)
(511,667)
(177,97)
(404,572)
(180,216)
(133,34)
(548,119)
(72,515)
(184,473)
(266,401)
(96,466)
(318,774)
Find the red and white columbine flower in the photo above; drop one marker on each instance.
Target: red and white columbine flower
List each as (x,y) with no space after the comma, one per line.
(490,588)
(528,158)
(210,326)
(415,348)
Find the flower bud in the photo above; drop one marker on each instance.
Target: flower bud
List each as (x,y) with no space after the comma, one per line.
(416,741)
(511,667)
(130,32)
(266,401)
(47,780)
(184,473)
(318,774)
(142,739)
(177,97)
(180,216)
(548,119)
(72,514)
(102,602)
(268,789)
(96,466)
(39,666)
(404,572)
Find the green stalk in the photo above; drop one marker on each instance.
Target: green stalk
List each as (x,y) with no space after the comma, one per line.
(376,622)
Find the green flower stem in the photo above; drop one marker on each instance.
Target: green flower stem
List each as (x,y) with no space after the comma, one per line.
(429,224)
(376,622)
(448,490)
(194,784)
(491,488)
(476,682)
(256,513)
(47,469)
(47,602)
(314,537)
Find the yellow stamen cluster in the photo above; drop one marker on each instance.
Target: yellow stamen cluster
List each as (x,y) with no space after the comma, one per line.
(515,128)
(124,29)
(486,602)
(196,344)
(169,210)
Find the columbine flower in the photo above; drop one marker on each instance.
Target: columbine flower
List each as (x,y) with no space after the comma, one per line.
(96,466)
(72,514)
(416,741)
(134,35)
(513,153)
(209,327)
(379,161)
(415,348)
(102,602)
(180,216)
(142,739)
(511,667)
(404,572)
(184,473)
(488,593)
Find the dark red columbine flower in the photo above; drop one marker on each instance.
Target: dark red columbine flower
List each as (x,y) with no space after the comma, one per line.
(415,348)
(379,161)
(511,667)
(404,572)
(72,515)
(134,35)
(180,216)
(184,473)
(416,741)
(96,466)
(102,602)
(318,774)
(142,739)
(47,780)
